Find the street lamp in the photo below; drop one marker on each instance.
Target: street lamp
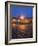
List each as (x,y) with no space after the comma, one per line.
(21,17)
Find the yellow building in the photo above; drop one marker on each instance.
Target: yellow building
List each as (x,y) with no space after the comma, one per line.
(22,23)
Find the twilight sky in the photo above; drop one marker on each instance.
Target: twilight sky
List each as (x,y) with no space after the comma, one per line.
(21,10)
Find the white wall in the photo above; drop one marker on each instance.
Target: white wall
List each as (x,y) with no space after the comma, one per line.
(2,23)
(37,22)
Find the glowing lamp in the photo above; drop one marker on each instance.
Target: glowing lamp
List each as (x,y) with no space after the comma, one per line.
(14,19)
(21,17)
